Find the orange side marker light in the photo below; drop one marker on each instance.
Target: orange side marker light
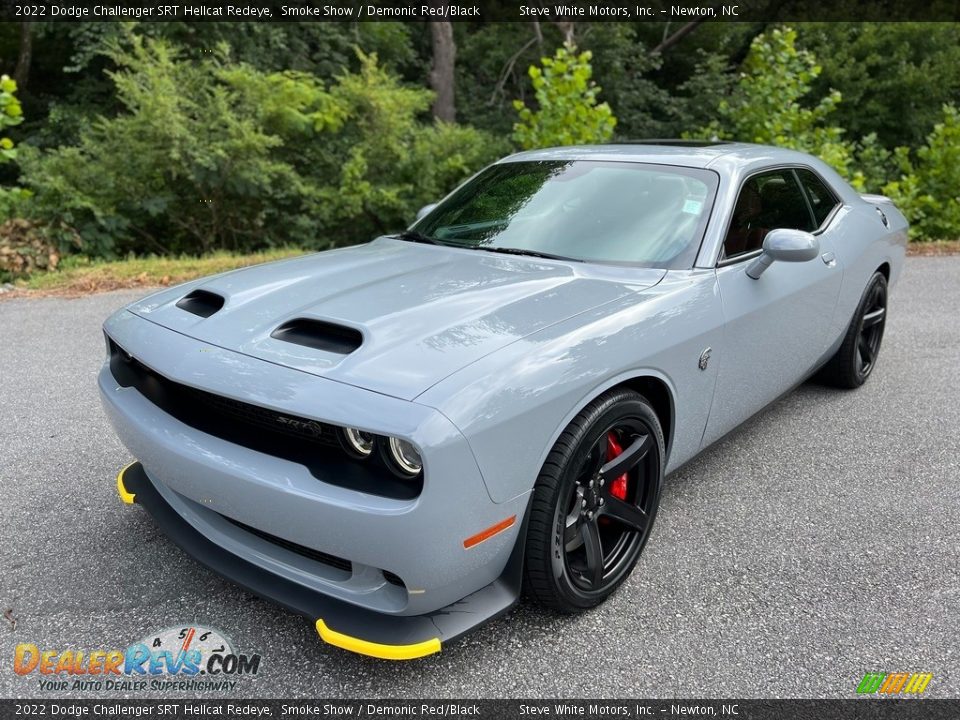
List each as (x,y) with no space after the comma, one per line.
(489,532)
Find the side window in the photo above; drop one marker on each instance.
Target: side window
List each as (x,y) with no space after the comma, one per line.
(766,202)
(822,199)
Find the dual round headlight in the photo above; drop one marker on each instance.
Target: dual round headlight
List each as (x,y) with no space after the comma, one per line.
(404,456)
(401,456)
(358,443)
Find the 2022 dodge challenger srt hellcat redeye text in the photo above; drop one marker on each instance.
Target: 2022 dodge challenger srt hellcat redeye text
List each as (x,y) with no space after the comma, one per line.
(396,439)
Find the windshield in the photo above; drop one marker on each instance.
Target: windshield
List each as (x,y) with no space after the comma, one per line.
(598,211)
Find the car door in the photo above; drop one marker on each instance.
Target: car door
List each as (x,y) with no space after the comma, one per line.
(777,326)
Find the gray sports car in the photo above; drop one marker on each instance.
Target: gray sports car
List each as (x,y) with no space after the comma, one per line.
(396,439)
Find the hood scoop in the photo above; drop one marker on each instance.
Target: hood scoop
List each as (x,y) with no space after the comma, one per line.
(201,302)
(319,335)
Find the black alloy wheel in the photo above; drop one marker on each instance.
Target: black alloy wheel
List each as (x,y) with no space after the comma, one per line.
(856,358)
(595,502)
(872,323)
(609,509)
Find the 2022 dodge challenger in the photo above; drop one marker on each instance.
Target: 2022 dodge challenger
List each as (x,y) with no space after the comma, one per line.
(395,439)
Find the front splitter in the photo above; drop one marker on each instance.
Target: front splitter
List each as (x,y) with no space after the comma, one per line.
(347,626)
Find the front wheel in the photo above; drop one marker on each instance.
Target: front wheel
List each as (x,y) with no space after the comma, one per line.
(594,502)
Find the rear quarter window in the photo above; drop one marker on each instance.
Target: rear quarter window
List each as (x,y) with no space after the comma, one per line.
(822,199)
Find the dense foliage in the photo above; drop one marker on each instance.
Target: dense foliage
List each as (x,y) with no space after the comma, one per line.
(895,77)
(771,103)
(180,137)
(928,188)
(211,153)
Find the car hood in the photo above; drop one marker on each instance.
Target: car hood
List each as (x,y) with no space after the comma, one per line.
(415,313)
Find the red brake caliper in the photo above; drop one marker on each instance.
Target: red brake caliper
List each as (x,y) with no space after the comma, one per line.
(618,488)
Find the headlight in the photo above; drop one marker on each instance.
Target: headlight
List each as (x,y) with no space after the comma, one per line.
(357,443)
(404,457)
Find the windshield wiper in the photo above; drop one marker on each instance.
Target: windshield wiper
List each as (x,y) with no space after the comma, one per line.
(418,237)
(522,251)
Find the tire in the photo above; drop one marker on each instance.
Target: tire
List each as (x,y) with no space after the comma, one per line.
(575,525)
(857,356)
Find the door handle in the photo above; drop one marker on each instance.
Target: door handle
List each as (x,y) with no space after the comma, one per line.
(829,259)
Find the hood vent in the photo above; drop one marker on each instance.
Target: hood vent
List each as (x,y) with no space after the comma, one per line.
(201,302)
(319,335)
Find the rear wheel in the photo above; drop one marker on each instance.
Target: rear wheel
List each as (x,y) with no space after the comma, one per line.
(857,356)
(594,503)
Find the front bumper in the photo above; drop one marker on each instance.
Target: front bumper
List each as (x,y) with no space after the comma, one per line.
(338,623)
(269,523)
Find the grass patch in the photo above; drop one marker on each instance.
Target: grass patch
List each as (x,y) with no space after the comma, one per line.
(78,275)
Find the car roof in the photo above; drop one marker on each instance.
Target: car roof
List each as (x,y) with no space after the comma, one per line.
(688,153)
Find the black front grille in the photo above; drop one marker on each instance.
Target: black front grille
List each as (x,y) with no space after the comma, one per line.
(313,431)
(311,443)
(320,557)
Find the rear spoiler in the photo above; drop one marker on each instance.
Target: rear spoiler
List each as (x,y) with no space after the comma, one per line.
(877,199)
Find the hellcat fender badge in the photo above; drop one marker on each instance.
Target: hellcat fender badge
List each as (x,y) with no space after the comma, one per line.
(704,359)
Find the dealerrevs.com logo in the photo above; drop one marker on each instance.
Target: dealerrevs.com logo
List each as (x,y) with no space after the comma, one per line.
(189,657)
(894,683)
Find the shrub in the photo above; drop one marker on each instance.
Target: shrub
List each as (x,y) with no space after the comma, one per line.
(184,168)
(928,189)
(208,154)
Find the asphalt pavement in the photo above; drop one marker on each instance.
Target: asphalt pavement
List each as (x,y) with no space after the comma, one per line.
(818,542)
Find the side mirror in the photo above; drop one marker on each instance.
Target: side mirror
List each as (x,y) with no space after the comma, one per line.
(786,246)
(424,211)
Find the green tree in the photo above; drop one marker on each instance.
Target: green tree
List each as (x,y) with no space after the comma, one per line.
(769,103)
(70,82)
(567,109)
(492,62)
(626,67)
(694,102)
(895,77)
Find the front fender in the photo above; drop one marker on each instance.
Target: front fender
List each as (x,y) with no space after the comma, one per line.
(511,406)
